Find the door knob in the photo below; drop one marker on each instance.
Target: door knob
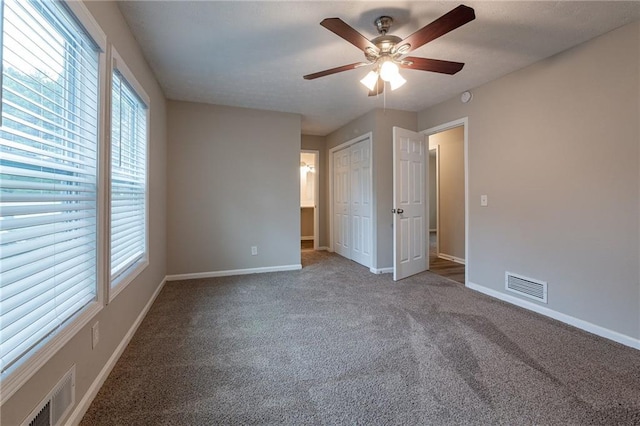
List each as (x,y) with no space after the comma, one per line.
(400,211)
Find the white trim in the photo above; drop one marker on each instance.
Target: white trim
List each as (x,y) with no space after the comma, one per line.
(451,258)
(381,270)
(567,319)
(90,394)
(372,189)
(464,121)
(119,64)
(88,22)
(316,196)
(438,234)
(232,272)
(104,183)
(307,238)
(323,248)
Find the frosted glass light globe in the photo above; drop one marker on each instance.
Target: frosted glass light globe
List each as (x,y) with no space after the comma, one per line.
(388,70)
(370,80)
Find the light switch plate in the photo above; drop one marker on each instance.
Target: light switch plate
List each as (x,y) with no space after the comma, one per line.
(484,200)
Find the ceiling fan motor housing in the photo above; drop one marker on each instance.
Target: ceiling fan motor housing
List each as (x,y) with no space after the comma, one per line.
(383,24)
(384,42)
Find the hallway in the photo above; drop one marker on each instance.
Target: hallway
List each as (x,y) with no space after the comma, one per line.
(444,268)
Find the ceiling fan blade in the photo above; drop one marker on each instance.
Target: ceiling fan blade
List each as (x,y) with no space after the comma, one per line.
(434,65)
(334,70)
(448,22)
(344,30)
(378,89)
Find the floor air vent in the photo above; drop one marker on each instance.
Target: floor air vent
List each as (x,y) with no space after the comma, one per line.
(55,407)
(527,287)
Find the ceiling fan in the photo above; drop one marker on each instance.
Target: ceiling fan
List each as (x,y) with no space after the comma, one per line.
(386,52)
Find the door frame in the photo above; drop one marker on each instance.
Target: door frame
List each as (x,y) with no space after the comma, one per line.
(464,121)
(374,243)
(316,194)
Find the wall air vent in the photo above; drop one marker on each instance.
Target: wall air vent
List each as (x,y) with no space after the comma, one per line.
(527,287)
(57,404)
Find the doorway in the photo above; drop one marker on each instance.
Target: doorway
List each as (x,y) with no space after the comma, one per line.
(448,222)
(309,195)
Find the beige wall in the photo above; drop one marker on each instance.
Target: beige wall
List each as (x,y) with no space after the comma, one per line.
(451,190)
(117,317)
(318,143)
(234,182)
(555,146)
(380,122)
(433,192)
(306,222)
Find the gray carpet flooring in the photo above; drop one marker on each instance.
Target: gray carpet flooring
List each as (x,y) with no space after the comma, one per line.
(333,344)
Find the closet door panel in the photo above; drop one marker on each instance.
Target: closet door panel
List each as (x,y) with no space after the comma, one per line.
(341,207)
(360,202)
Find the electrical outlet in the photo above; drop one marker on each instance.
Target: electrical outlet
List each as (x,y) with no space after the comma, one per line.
(254,250)
(95,335)
(484,201)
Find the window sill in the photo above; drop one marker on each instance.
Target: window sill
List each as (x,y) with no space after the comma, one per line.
(122,281)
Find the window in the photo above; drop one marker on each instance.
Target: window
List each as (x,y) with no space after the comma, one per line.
(128,177)
(48,175)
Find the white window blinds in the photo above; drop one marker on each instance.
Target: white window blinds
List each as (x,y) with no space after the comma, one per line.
(128,177)
(48,178)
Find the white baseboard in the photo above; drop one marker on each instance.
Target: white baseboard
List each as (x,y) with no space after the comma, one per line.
(307,238)
(232,272)
(568,319)
(381,270)
(76,416)
(451,258)
(323,248)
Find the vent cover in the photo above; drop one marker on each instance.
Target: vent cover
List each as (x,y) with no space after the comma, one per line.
(527,287)
(55,407)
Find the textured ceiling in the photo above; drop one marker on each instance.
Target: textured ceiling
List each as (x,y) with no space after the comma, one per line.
(254,54)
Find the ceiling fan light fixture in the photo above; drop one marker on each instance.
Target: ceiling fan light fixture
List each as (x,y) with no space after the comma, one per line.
(388,70)
(397,81)
(370,80)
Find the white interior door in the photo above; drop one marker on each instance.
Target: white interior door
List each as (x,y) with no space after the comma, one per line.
(360,202)
(410,203)
(341,207)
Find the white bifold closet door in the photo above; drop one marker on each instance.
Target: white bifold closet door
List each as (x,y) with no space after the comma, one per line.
(352,207)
